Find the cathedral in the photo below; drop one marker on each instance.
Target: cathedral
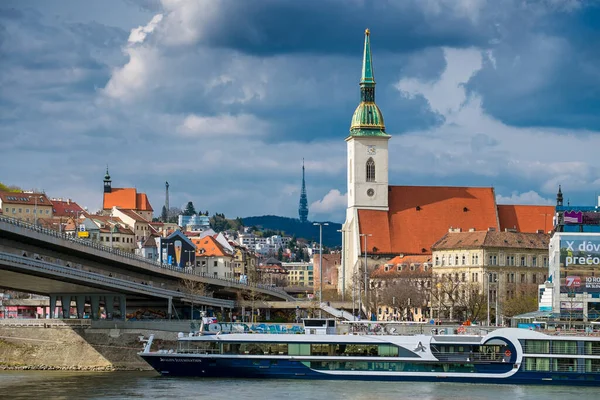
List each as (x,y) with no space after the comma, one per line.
(387,221)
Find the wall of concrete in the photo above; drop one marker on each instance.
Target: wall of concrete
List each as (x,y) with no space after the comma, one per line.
(76,349)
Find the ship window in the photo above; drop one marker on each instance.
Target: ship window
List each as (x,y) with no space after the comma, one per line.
(592,349)
(537,364)
(299,349)
(370,170)
(537,346)
(564,347)
(592,365)
(564,365)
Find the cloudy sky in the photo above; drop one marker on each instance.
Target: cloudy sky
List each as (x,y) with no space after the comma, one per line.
(224,98)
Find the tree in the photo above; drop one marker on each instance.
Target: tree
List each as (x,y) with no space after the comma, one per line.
(189,209)
(445,293)
(173,213)
(9,188)
(164,216)
(524,301)
(472,301)
(280,254)
(252,299)
(194,288)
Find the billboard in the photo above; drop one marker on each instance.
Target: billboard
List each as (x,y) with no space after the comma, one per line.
(581,217)
(580,264)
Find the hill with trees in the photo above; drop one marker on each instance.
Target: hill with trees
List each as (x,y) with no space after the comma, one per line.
(293,227)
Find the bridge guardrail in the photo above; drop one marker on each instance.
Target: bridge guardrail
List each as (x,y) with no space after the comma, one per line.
(45,323)
(119,283)
(133,256)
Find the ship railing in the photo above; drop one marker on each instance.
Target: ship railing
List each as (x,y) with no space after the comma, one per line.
(198,351)
(471,357)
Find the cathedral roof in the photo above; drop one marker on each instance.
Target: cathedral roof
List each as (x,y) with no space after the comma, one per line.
(419,216)
(367,119)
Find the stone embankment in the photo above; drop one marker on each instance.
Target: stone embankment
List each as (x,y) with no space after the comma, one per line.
(76,349)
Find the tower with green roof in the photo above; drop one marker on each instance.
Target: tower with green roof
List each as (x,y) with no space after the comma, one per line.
(367,145)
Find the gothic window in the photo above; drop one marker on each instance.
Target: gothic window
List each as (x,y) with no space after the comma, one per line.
(370,170)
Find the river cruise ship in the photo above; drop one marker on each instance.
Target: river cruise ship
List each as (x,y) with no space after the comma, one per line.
(506,355)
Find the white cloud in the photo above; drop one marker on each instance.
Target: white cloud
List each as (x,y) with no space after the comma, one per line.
(226,124)
(138,35)
(531,197)
(332,202)
(131,79)
(471,142)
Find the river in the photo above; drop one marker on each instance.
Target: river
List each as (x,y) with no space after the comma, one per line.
(42,385)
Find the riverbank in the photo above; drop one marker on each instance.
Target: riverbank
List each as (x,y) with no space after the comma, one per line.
(76,349)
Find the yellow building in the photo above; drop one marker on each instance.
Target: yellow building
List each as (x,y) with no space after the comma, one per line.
(477,268)
(299,274)
(25,206)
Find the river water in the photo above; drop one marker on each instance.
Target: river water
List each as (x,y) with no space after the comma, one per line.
(41,385)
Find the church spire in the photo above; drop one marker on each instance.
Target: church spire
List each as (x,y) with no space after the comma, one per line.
(367,69)
(367,119)
(303,208)
(107,182)
(559,197)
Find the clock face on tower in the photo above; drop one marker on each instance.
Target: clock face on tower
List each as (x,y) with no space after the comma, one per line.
(371,150)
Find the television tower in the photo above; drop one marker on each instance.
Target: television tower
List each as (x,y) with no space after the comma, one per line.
(303,208)
(167,196)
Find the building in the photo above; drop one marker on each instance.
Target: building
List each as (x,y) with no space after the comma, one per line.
(26,206)
(125,199)
(400,289)
(331,266)
(139,225)
(212,259)
(66,208)
(244,264)
(177,250)
(385,221)
(271,272)
(194,222)
(573,290)
(470,268)
(299,274)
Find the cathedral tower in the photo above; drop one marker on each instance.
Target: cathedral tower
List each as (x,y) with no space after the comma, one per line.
(107,182)
(367,145)
(303,208)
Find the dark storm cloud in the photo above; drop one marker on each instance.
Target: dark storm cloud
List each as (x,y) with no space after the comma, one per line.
(546,72)
(336,26)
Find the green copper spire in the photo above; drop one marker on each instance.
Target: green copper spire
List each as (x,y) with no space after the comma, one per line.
(367,119)
(367,70)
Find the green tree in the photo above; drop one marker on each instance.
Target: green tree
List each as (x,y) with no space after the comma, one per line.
(189,209)
(280,254)
(11,188)
(164,216)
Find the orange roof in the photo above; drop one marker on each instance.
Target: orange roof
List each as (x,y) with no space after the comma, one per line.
(208,247)
(132,214)
(419,216)
(127,198)
(526,218)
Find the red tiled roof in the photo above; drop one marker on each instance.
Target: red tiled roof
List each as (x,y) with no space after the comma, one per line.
(65,208)
(127,198)
(25,198)
(526,218)
(210,246)
(478,240)
(418,216)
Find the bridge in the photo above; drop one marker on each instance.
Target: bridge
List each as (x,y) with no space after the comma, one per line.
(42,261)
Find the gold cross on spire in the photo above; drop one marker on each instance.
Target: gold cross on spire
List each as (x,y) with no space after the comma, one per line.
(367,31)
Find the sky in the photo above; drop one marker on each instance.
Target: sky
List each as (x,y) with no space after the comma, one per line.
(225,98)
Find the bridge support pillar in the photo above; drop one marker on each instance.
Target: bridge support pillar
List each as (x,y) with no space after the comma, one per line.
(123,307)
(52,305)
(109,305)
(65,303)
(95,302)
(170,307)
(80,300)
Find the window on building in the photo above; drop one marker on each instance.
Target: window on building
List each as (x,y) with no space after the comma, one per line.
(370,170)
(464,259)
(464,277)
(510,261)
(510,277)
(545,261)
(523,262)
(437,260)
(215,263)
(456,260)
(534,261)
(493,260)
(523,278)
(534,278)
(475,277)
(26,210)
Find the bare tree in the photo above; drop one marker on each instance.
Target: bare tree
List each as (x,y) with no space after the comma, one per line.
(471,301)
(194,288)
(525,300)
(252,299)
(445,293)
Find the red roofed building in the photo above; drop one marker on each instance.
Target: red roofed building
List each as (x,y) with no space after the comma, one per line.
(408,220)
(66,208)
(126,198)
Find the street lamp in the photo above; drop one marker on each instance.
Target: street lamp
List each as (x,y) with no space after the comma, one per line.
(365,235)
(189,256)
(489,280)
(343,262)
(320,224)
(35,199)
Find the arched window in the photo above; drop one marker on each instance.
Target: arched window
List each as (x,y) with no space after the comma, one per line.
(370,170)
